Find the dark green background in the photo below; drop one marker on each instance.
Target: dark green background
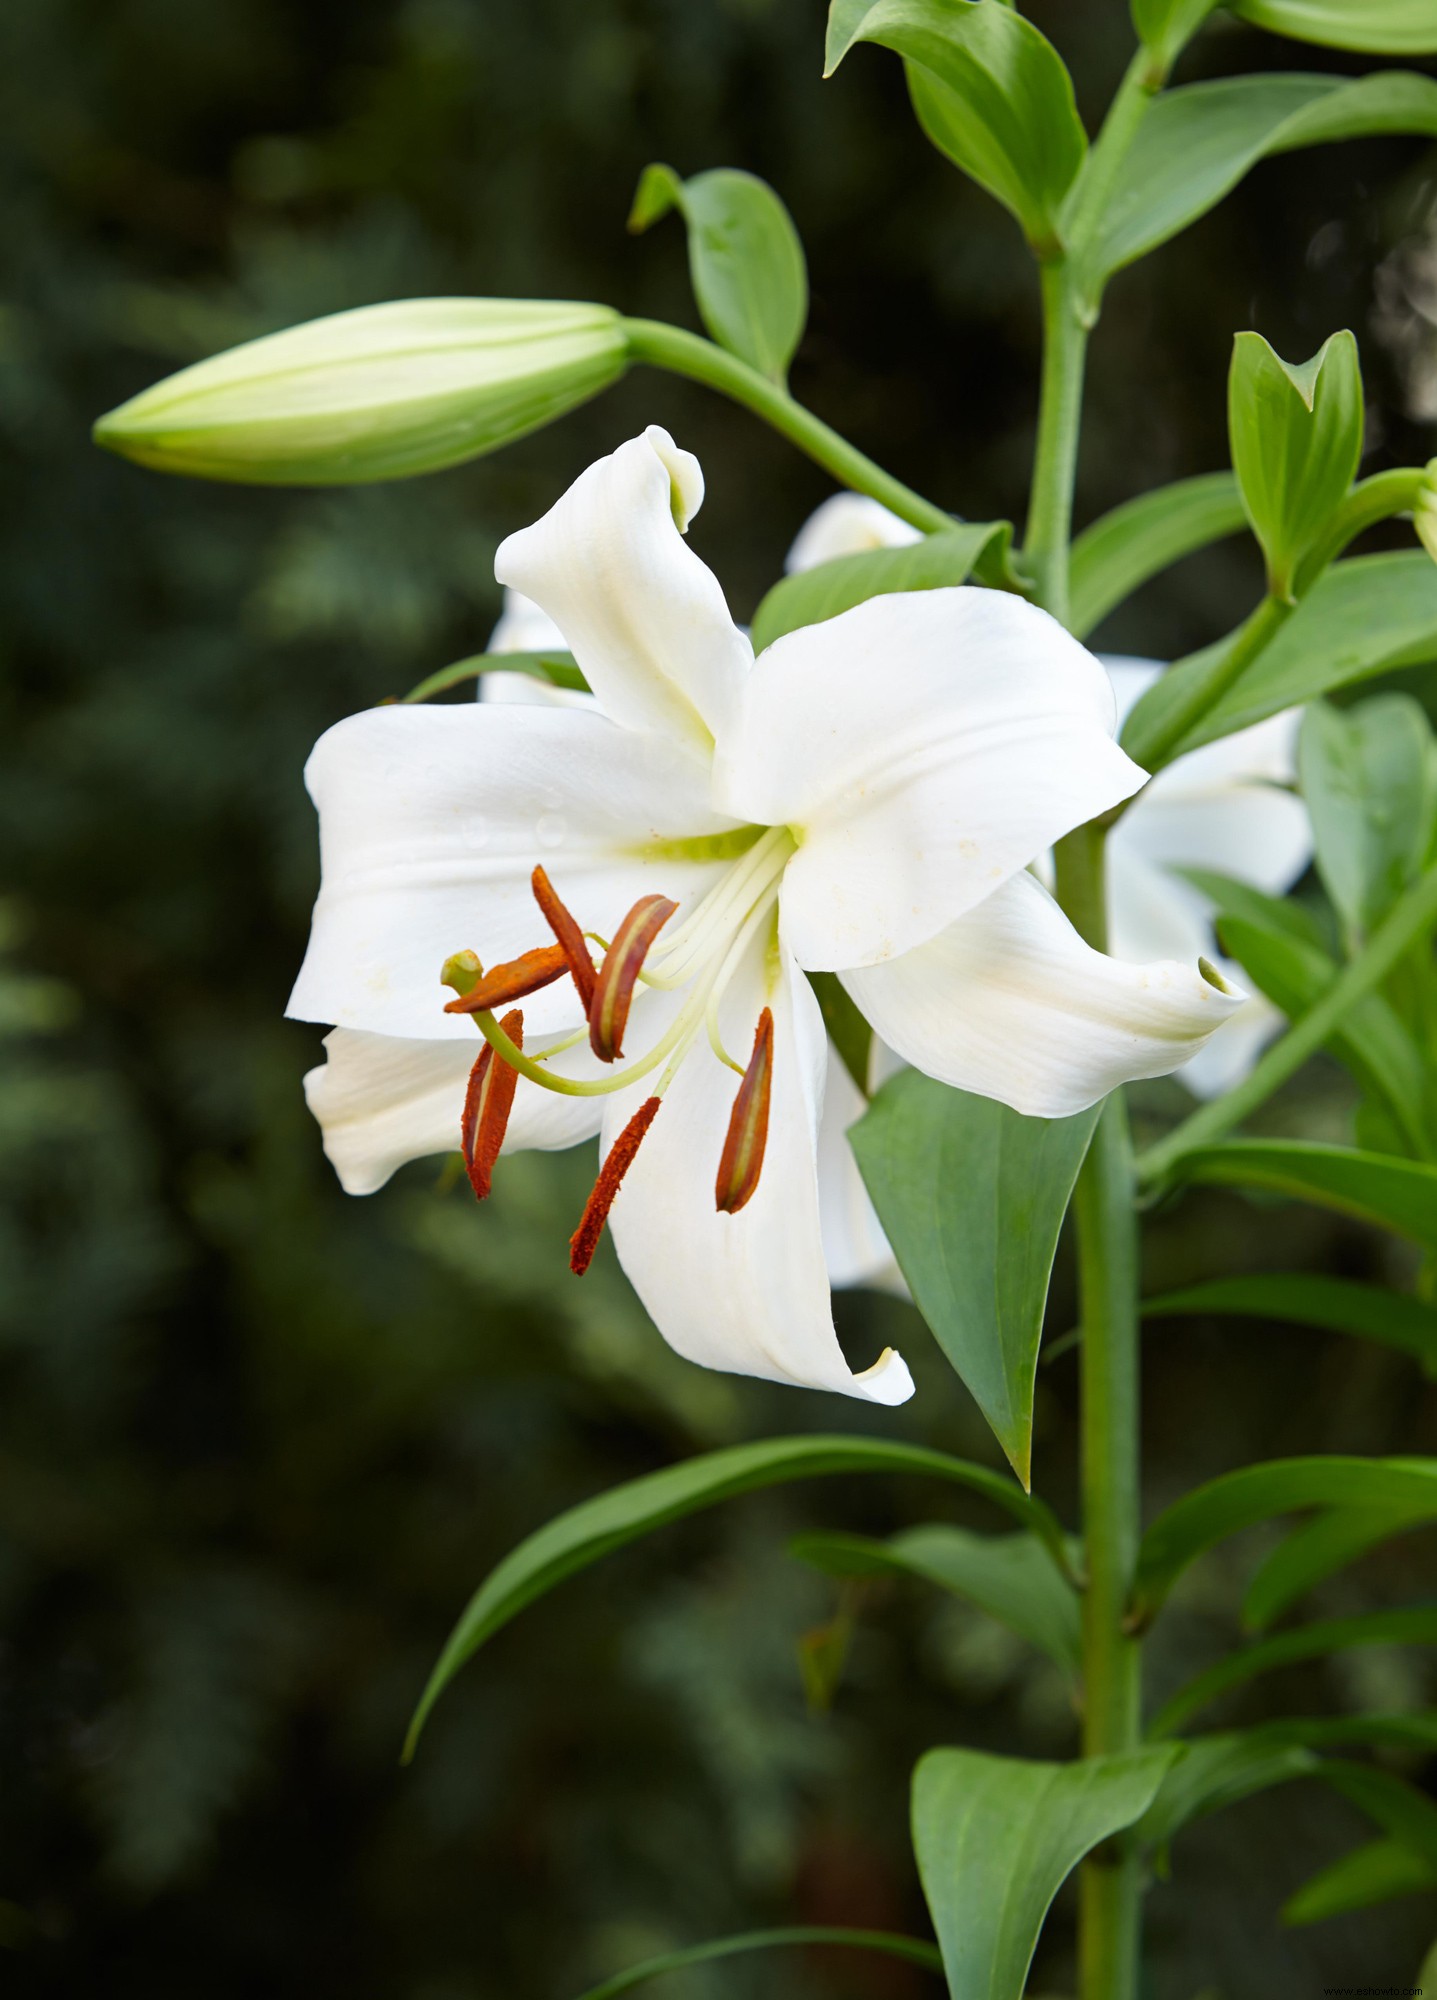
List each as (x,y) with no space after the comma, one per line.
(258,1441)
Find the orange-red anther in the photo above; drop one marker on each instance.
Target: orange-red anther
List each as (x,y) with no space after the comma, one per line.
(585,1239)
(619,974)
(742,1160)
(502,983)
(487,1104)
(571,938)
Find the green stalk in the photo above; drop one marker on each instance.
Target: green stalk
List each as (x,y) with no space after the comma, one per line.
(1104,1212)
(683,353)
(1050,513)
(1406,924)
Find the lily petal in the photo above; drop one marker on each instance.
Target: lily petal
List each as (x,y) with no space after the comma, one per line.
(925,746)
(431,821)
(1009,1002)
(382,1100)
(746,1293)
(645,619)
(847,524)
(524,627)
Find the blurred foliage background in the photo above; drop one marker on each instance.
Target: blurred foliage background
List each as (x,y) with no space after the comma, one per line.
(258,1441)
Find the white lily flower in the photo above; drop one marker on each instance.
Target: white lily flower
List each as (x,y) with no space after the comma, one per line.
(864,802)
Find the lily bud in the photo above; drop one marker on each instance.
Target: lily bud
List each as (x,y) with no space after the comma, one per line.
(1424,514)
(377,393)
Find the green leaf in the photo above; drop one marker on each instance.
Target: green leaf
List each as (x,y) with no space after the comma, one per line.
(1219,1770)
(1400,1195)
(1136,541)
(1401,1811)
(1256,1493)
(1338,1304)
(996,1838)
(1408,1627)
(1376,27)
(1370,785)
(745,260)
(1317,1550)
(1361,618)
(1011,1577)
(935,563)
(1369,1875)
(1197,143)
(1296,436)
(596,1528)
(989,90)
(1370,1040)
(915,1950)
(848,1029)
(1278,915)
(978,1268)
(558,669)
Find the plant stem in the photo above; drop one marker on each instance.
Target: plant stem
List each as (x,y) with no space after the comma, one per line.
(1055,463)
(683,353)
(1409,920)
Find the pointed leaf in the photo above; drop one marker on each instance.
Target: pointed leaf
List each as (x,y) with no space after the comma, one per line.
(599,1526)
(1401,1811)
(1317,1550)
(1370,784)
(1376,27)
(1011,1577)
(1369,1875)
(1363,617)
(558,669)
(1296,435)
(996,1838)
(1217,1771)
(745,260)
(1197,143)
(1256,1493)
(916,1950)
(989,90)
(1338,1304)
(978,1268)
(1407,1627)
(1400,1195)
(934,563)
(1136,541)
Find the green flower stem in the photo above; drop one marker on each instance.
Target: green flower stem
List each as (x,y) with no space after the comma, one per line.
(1409,921)
(1142,82)
(682,353)
(1050,514)
(1250,639)
(1104,1212)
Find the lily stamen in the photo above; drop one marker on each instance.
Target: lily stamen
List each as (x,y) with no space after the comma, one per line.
(585,1239)
(743,1149)
(514,980)
(487,1104)
(618,975)
(569,935)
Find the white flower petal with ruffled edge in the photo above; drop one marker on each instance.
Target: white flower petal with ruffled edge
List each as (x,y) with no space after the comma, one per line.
(745,1293)
(855,1248)
(431,821)
(645,619)
(382,1100)
(924,746)
(847,524)
(1009,1002)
